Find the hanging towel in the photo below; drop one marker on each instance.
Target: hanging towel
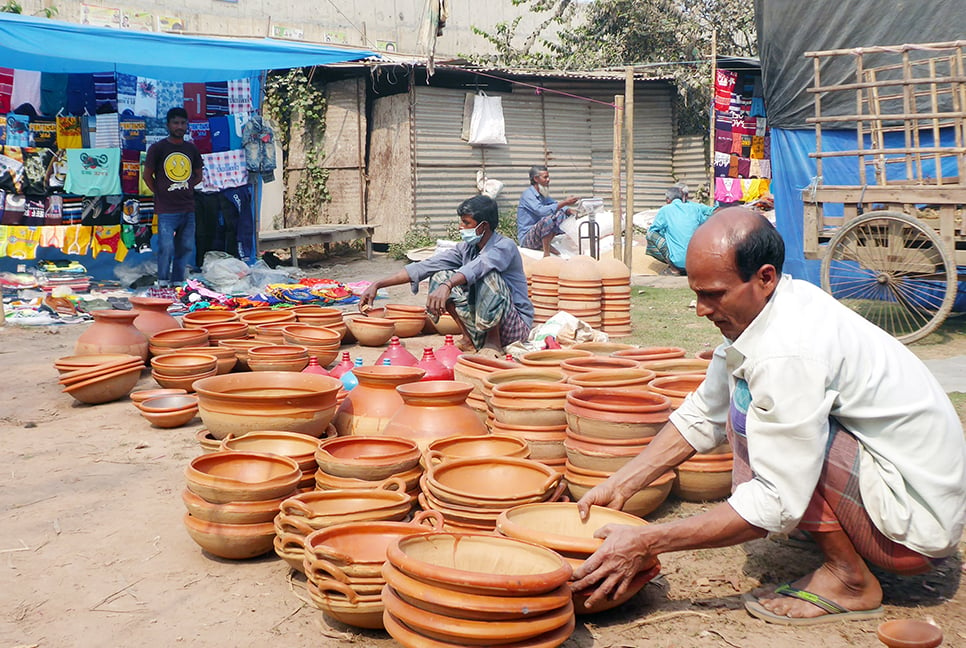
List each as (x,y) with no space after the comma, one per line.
(132,131)
(224,170)
(194,101)
(108,131)
(216,98)
(43,132)
(201,135)
(127,89)
(170,95)
(130,171)
(26,89)
(105,92)
(239,96)
(93,172)
(6,89)
(80,94)
(220,135)
(18,130)
(146,99)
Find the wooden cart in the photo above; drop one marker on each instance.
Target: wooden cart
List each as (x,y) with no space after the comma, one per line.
(891,244)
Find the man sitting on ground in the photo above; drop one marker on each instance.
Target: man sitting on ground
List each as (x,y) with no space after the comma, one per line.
(480,281)
(538,215)
(669,234)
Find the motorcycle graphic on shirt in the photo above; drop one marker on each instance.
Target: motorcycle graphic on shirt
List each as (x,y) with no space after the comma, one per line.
(177,168)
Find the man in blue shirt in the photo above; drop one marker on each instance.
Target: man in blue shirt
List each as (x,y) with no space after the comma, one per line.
(669,234)
(480,281)
(538,215)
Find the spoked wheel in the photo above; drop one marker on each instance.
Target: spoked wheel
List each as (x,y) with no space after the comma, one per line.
(892,270)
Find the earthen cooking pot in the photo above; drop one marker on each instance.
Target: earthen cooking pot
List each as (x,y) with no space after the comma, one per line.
(181,364)
(232,541)
(222,477)
(614,378)
(231,512)
(616,413)
(490,445)
(371,331)
(558,526)
(105,388)
(491,478)
(299,447)
(341,603)
(203,318)
(367,457)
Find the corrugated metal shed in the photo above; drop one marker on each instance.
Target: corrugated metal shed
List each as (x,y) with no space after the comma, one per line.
(691,163)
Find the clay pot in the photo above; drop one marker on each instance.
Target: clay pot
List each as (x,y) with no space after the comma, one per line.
(367,457)
(341,603)
(319,509)
(409,638)
(472,368)
(432,410)
(552,357)
(407,326)
(71,363)
(589,455)
(648,354)
(231,541)
(181,382)
(267,400)
(113,331)
(558,526)
(276,357)
(446,325)
(704,477)
(145,394)
(226,358)
(207,442)
(530,403)
(676,387)
(909,633)
(371,331)
(169,411)
(241,348)
(676,366)
(256,318)
(368,408)
(106,387)
(640,503)
(705,354)
(204,318)
(409,481)
(182,364)
(226,331)
(486,480)
(614,378)
(99,370)
(479,564)
(575,366)
(260,511)
(223,477)
(616,413)
(153,315)
(311,336)
(299,447)
(490,445)
(537,374)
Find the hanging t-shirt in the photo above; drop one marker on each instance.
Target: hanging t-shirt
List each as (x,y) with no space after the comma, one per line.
(6,88)
(11,171)
(108,131)
(77,239)
(105,92)
(194,101)
(26,89)
(68,132)
(53,210)
(220,134)
(80,94)
(201,135)
(73,210)
(146,98)
(143,189)
(170,95)
(93,172)
(727,190)
(130,171)
(132,134)
(52,236)
(216,98)
(35,163)
(18,130)
(13,208)
(239,96)
(127,89)
(88,131)
(724,84)
(22,242)
(173,164)
(57,171)
(224,170)
(33,212)
(53,92)
(43,132)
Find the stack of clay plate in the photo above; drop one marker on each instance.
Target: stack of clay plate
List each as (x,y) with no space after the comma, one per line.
(321,316)
(181,369)
(543,288)
(299,447)
(473,368)
(206,317)
(278,357)
(232,499)
(256,317)
(343,565)
(676,366)
(557,526)
(615,279)
(446,590)
(538,374)
(301,515)
(676,387)
(705,476)
(365,462)
(171,340)
(579,289)
(271,333)
(535,411)
(103,378)
(471,493)
(409,320)
(319,341)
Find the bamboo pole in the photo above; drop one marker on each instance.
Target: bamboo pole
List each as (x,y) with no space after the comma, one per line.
(629,126)
(616,175)
(709,170)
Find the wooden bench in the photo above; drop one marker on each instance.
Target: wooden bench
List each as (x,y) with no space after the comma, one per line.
(292,237)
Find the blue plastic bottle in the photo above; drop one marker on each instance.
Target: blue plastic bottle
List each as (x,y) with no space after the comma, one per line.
(349,380)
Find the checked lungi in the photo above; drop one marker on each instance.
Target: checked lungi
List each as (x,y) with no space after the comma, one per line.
(546,226)
(484,305)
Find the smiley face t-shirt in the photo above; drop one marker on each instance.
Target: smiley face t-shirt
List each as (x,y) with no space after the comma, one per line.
(173,165)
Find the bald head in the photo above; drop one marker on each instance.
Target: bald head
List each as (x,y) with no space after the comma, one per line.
(741,237)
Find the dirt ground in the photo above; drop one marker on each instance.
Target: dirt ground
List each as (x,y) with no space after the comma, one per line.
(93,552)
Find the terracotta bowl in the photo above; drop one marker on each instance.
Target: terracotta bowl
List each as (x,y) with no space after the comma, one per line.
(207,442)
(676,387)
(408,326)
(647,354)
(406,636)
(299,447)
(640,503)
(557,525)
(637,583)
(613,378)
(490,479)
(68,364)
(182,382)
(240,347)
(293,364)
(168,403)
(253,319)
(144,394)
(105,388)
(341,603)
(367,457)
(551,357)
(238,403)
(98,371)
(179,337)
(222,477)
(405,310)
(226,331)
(182,364)
(314,336)
(616,413)
(530,402)
(371,331)
(704,477)
(324,508)
(538,374)
(593,456)
(409,478)
(204,318)
(479,564)
(446,325)
(259,511)
(676,366)
(226,357)
(909,633)
(576,366)
(231,541)
(472,368)
(491,445)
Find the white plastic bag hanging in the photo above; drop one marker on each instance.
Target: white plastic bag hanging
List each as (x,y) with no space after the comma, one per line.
(486,124)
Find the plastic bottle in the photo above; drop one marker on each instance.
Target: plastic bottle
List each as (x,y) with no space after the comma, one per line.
(386,362)
(349,380)
(344,365)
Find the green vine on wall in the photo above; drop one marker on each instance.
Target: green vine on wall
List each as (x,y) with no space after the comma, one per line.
(298,105)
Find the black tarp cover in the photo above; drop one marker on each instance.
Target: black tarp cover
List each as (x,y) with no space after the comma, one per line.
(789,28)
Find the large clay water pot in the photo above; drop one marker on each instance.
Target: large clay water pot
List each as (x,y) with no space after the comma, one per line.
(113,331)
(433,410)
(153,315)
(368,408)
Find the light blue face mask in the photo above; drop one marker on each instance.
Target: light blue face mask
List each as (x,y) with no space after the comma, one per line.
(470,236)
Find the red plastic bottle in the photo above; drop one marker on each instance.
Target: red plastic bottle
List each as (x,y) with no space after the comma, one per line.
(435,370)
(449,353)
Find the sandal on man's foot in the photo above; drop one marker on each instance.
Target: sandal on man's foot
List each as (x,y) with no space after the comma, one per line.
(833,611)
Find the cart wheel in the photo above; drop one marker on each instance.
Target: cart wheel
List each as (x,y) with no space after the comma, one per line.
(894,271)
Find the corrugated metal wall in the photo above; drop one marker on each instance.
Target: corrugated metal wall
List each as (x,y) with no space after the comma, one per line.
(691,163)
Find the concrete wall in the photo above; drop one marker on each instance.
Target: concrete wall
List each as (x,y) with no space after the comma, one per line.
(385,25)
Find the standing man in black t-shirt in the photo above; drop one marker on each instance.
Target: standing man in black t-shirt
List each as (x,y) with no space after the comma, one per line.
(172,168)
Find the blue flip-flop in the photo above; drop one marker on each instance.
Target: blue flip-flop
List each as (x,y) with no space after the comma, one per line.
(834,611)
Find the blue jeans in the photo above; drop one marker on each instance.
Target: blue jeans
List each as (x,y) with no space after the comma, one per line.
(176,246)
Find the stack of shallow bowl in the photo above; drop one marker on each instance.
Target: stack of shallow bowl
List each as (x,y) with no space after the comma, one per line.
(472,369)
(676,387)
(615,279)
(226,331)
(677,366)
(293,445)
(180,369)
(138,397)
(301,515)
(369,330)
(366,462)
(514,375)
(705,477)
(650,353)
(454,590)
(644,501)
(576,366)
(615,378)
(534,411)
(232,499)
(169,411)
(409,320)
(71,363)
(321,316)
(471,493)
(108,378)
(579,289)
(603,348)
(321,342)
(468,447)
(288,401)
(346,560)
(240,347)
(226,357)
(552,358)
(557,526)
(254,318)
(173,339)
(207,317)
(543,288)
(277,357)
(271,333)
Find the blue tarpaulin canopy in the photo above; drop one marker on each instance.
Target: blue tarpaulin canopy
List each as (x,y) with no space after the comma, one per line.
(28,43)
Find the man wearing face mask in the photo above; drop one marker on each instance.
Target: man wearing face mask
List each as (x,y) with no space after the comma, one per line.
(480,281)
(538,215)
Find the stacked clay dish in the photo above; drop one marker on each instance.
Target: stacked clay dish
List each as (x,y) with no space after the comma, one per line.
(615,279)
(579,289)
(169,411)
(319,341)
(365,462)
(104,377)
(277,357)
(409,320)
(532,409)
(170,340)
(180,369)
(472,369)
(543,287)
(299,447)
(705,477)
